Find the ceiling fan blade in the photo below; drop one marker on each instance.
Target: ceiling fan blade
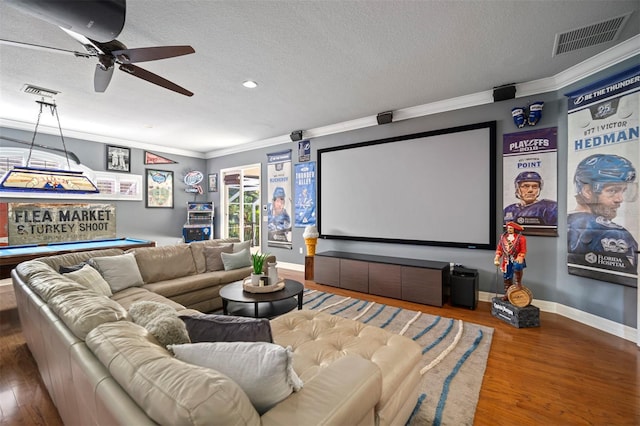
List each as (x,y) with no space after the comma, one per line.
(153,78)
(143,54)
(43,48)
(101,78)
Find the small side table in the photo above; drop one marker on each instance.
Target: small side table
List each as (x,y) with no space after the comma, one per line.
(308,267)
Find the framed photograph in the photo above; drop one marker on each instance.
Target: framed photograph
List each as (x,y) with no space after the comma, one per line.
(118,159)
(213,182)
(159,188)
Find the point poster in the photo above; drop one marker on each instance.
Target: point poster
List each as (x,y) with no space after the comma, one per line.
(530,182)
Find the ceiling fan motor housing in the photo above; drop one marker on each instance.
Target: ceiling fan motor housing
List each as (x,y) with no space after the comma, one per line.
(100,20)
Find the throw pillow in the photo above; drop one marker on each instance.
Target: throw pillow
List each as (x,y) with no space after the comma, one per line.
(168,330)
(212,257)
(227,328)
(119,271)
(71,268)
(236,260)
(144,311)
(237,247)
(161,321)
(90,279)
(263,370)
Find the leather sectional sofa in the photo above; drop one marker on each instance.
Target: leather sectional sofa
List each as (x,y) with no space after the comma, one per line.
(102,368)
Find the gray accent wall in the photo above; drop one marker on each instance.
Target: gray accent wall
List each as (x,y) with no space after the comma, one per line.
(546,273)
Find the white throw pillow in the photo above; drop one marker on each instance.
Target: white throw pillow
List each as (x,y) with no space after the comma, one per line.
(263,370)
(238,247)
(119,271)
(90,279)
(237,260)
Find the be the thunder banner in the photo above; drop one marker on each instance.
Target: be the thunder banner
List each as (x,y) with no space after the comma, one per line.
(603,158)
(530,182)
(305,174)
(279,191)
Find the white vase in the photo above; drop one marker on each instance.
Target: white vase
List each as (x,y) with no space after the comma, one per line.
(273,273)
(255,279)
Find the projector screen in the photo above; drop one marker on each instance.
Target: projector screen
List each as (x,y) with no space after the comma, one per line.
(432,188)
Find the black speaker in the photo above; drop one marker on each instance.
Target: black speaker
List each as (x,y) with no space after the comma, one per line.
(503,93)
(296,135)
(385,117)
(464,287)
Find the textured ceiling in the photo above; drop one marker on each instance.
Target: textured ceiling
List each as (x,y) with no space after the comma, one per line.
(317,63)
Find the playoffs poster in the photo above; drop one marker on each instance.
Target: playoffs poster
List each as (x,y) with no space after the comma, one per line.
(603,210)
(530,182)
(279,190)
(305,175)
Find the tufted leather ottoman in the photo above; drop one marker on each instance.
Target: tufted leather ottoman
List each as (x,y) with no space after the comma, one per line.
(318,339)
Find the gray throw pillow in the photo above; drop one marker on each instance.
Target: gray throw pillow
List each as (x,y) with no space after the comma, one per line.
(212,257)
(119,271)
(236,260)
(227,328)
(71,268)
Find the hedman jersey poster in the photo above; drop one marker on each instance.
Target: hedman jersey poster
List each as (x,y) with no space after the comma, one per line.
(530,189)
(279,191)
(603,155)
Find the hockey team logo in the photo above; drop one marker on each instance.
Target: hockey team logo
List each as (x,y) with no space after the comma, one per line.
(614,245)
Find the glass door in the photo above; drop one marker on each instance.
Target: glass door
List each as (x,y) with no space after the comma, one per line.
(242,212)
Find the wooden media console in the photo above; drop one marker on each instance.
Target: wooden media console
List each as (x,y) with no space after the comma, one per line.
(413,280)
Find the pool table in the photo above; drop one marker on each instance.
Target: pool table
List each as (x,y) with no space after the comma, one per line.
(10,256)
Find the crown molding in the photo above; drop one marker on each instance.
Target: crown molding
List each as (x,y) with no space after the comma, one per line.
(54,131)
(600,62)
(616,54)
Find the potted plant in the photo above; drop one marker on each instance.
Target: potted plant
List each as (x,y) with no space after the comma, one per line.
(257,263)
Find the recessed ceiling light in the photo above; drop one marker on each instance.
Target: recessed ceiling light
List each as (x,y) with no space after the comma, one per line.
(250,84)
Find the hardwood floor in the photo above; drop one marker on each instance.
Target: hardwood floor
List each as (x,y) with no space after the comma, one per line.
(561,373)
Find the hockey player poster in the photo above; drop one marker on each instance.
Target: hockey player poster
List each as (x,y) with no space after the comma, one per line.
(305,175)
(602,162)
(530,183)
(279,190)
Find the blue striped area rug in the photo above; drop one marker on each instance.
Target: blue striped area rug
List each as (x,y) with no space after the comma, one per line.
(454,354)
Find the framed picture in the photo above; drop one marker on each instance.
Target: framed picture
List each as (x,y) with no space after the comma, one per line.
(213,182)
(118,159)
(159,188)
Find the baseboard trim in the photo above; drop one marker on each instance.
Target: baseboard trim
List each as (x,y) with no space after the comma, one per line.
(603,324)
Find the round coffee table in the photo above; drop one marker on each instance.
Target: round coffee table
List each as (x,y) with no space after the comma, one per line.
(236,301)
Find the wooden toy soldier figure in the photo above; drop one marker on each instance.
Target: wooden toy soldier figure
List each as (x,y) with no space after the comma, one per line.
(510,254)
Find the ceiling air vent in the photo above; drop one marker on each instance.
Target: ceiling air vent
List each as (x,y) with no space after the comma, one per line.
(591,35)
(39,91)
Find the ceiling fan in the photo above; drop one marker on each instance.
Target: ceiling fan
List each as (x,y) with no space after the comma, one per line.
(95,24)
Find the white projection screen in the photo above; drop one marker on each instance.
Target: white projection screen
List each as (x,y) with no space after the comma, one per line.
(432,188)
